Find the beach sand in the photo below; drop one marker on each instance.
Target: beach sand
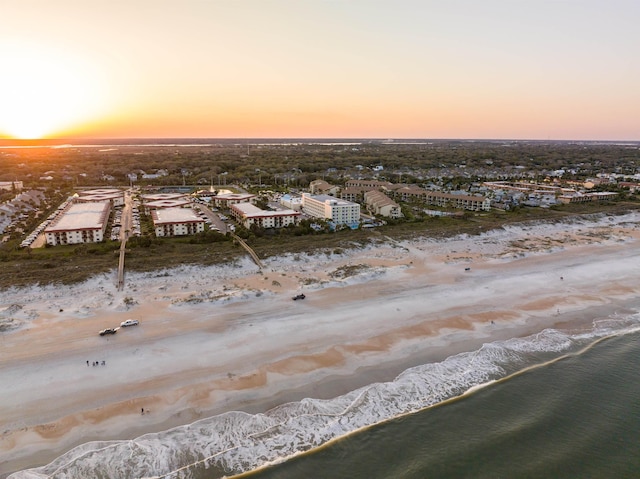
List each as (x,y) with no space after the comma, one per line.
(229,337)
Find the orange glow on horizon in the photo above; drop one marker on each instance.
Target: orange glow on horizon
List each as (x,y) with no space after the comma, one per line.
(193,69)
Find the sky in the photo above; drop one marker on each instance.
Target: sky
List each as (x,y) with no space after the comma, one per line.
(483,69)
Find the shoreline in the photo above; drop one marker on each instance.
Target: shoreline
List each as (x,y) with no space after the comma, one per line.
(349,332)
(326,388)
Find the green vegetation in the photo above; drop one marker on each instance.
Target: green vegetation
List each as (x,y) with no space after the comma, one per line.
(281,167)
(446,164)
(69,264)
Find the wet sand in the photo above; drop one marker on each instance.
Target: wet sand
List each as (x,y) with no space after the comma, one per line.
(226,338)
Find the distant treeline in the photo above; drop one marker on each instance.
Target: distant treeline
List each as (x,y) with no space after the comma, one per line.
(296,162)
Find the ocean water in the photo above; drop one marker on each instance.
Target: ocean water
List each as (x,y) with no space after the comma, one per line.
(554,404)
(578,417)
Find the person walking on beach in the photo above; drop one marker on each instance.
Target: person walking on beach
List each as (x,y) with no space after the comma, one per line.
(142,411)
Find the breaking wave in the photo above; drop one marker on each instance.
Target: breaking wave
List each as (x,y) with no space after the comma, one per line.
(237,442)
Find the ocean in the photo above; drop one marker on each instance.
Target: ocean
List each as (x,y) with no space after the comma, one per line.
(578,417)
(558,404)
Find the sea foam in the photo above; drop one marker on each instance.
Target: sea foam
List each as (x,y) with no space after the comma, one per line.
(236,442)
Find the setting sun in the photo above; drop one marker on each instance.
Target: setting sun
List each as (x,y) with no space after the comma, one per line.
(45,92)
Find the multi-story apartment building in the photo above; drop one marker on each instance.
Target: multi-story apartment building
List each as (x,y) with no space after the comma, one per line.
(249,214)
(176,222)
(380,204)
(79,223)
(337,211)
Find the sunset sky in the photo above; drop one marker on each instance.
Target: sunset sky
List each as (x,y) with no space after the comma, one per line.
(512,69)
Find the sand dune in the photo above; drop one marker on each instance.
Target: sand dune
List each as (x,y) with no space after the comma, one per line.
(230,338)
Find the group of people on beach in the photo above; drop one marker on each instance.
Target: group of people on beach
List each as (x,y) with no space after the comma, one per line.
(104,363)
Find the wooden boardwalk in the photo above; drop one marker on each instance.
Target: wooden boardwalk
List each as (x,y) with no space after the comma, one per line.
(123,246)
(124,236)
(249,250)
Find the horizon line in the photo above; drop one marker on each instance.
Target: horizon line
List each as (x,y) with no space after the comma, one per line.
(85,140)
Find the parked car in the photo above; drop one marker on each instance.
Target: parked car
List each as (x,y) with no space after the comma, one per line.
(108,331)
(129,322)
(298,296)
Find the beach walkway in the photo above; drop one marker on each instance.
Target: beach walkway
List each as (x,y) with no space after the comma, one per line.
(126,221)
(249,250)
(123,246)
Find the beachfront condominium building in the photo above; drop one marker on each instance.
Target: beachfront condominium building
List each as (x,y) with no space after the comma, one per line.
(438,198)
(336,211)
(176,222)
(79,223)
(380,204)
(249,215)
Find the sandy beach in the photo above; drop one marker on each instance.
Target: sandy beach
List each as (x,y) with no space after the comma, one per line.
(229,337)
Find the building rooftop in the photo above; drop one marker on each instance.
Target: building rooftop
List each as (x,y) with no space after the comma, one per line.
(235,196)
(249,210)
(81,216)
(172,203)
(175,215)
(101,191)
(325,198)
(162,196)
(100,196)
(379,199)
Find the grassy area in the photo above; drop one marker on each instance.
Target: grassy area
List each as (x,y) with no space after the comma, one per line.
(63,265)
(70,264)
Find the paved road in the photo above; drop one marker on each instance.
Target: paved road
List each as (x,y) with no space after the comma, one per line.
(224,229)
(126,220)
(215,219)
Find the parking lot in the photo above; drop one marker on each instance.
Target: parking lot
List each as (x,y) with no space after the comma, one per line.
(214,219)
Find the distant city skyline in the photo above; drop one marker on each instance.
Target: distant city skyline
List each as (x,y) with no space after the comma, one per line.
(496,69)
